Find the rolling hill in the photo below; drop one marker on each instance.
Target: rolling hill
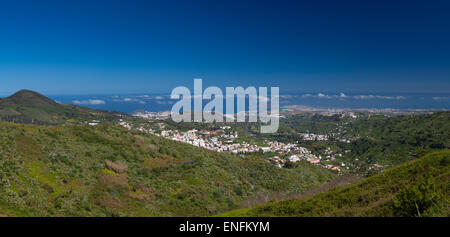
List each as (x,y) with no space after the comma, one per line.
(372,138)
(30,107)
(72,169)
(107,170)
(416,188)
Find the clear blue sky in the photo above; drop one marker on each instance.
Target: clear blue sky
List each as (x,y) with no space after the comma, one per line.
(73,47)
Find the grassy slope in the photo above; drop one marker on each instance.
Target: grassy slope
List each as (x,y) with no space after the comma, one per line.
(419,186)
(75,170)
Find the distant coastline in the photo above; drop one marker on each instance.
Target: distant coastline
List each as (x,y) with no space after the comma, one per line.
(307,102)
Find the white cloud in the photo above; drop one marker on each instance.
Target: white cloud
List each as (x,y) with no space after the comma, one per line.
(89,102)
(319,95)
(164,102)
(365,97)
(127,99)
(142,96)
(441,98)
(356,97)
(286,96)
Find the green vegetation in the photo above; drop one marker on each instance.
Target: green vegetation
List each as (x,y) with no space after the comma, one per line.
(417,188)
(106,170)
(374,139)
(312,123)
(394,140)
(33,108)
(72,169)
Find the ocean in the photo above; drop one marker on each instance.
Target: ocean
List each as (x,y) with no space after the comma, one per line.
(129,103)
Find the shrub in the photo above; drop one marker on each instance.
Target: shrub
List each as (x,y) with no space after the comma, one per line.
(416,199)
(118,166)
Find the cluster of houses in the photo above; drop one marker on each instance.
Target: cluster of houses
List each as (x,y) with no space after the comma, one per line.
(217,140)
(124,124)
(302,153)
(339,133)
(313,137)
(223,140)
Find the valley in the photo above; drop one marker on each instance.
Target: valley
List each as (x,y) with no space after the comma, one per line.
(66,160)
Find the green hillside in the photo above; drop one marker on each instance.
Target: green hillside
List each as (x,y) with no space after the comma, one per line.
(106,170)
(416,188)
(33,108)
(394,140)
(373,139)
(72,169)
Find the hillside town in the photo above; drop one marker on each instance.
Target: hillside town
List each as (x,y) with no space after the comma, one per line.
(225,138)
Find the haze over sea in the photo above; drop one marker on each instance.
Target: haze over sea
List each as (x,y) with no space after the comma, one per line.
(128,103)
